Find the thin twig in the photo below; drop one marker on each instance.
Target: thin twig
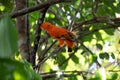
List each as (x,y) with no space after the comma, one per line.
(37,36)
(42,55)
(53,74)
(89,52)
(114,70)
(56,51)
(74,16)
(70,56)
(93,8)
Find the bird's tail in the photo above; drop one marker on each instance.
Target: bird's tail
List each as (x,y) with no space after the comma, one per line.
(69,49)
(70,45)
(74,38)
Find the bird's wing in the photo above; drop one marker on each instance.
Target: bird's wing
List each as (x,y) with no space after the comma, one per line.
(61,33)
(66,35)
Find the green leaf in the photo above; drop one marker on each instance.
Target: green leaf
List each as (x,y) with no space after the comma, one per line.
(109,31)
(115,76)
(8,35)
(63,67)
(15,70)
(31,73)
(87,37)
(72,77)
(60,59)
(12,70)
(112,55)
(7,4)
(98,36)
(94,57)
(104,55)
(99,46)
(75,59)
(117,8)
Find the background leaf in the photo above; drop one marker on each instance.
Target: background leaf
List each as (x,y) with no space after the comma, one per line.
(15,70)
(8,35)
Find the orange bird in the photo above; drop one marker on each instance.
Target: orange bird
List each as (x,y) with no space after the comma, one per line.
(60,34)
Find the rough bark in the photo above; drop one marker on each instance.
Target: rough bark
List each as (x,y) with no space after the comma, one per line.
(21,23)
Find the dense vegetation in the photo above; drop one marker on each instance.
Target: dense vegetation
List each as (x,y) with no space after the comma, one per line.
(29,53)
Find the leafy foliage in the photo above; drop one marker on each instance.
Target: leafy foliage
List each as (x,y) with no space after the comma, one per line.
(95,57)
(8,41)
(10,68)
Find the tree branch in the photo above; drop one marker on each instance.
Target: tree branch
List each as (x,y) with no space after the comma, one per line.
(70,56)
(114,70)
(42,57)
(113,21)
(37,36)
(89,52)
(64,74)
(35,8)
(22,25)
(74,17)
(94,7)
(57,49)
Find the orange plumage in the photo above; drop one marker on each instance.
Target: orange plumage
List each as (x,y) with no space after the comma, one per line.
(60,34)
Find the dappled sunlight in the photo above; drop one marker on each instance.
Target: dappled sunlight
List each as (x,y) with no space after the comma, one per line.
(18,76)
(59,40)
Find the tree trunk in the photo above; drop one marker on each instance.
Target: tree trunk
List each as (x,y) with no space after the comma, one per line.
(22,25)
